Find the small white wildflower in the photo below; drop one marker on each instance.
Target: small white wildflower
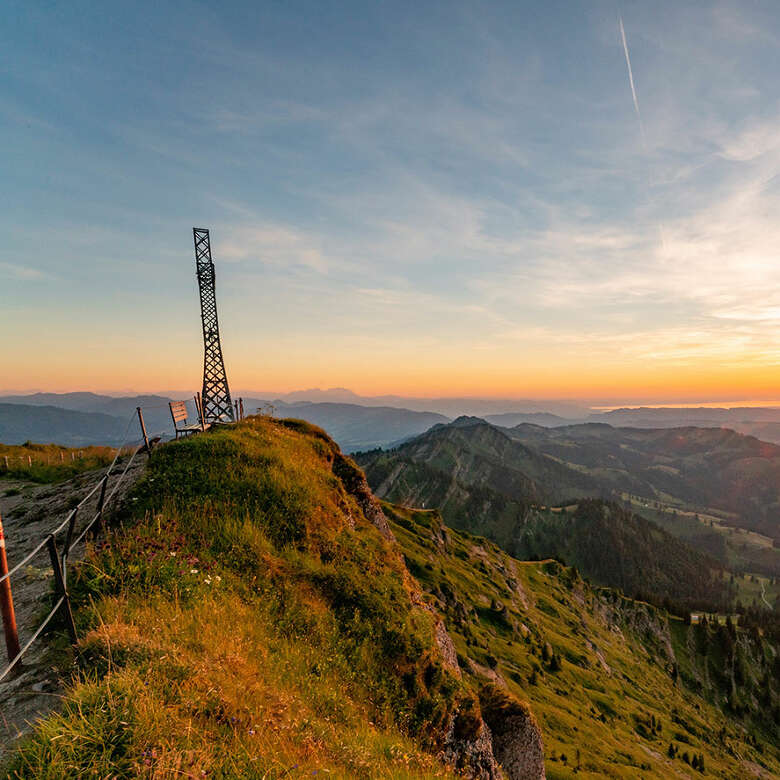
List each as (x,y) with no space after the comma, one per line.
(193,571)
(207,580)
(172,554)
(218,578)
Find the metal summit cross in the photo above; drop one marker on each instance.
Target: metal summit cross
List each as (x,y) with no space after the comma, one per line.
(216,403)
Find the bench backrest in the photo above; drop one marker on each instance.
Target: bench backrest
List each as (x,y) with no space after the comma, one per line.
(178,411)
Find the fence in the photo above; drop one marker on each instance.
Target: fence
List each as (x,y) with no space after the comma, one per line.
(58,550)
(41,459)
(58,554)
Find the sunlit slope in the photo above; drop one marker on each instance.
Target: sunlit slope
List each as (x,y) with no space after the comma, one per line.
(253,617)
(257,615)
(612,682)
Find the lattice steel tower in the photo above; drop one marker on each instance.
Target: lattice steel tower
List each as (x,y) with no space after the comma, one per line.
(217,405)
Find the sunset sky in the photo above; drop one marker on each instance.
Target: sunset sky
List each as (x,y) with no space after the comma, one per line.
(415,198)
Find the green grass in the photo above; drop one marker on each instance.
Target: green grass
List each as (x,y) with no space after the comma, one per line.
(615,675)
(47,463)
(751,586)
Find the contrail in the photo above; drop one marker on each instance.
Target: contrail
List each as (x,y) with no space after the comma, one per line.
(631,81)
(661,229)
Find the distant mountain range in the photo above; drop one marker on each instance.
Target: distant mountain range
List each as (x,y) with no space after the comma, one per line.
(701,467)
(156,415)
(43,424)
(490,480)
(449,407)
(485,482)
(356,427)
(762,422)
(74,419)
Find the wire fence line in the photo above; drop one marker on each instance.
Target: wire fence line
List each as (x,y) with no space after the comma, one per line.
(58,556)
(60,549)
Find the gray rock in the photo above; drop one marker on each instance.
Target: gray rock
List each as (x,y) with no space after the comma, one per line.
(517,739)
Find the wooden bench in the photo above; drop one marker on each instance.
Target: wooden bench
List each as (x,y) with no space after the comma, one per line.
(179,415)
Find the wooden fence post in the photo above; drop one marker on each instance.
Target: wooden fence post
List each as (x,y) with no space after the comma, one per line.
(62,590)
(240,408)
(143,430)
(7,604)
(102,500)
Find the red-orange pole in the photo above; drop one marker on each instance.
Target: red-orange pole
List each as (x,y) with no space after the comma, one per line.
(7,603)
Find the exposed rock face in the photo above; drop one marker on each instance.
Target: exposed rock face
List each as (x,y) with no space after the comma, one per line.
(517,739)
(642,620)
(447,648)
(468,748)
(485,673)
(355,484)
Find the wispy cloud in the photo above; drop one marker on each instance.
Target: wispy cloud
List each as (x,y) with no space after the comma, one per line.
(482,192)
(22,272)
(272,245)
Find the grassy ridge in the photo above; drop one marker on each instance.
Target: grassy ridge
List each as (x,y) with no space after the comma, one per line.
(247,620)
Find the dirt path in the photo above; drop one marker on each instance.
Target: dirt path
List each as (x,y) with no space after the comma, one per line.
(763,595)
(30,512)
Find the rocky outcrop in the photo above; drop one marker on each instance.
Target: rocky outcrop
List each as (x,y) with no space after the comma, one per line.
(517,739)
(485,673)
(468,746)
(644,621)
(355,484)
(446,647)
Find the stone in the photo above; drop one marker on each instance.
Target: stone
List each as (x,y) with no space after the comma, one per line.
(516,736)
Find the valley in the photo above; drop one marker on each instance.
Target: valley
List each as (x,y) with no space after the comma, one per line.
(685,482)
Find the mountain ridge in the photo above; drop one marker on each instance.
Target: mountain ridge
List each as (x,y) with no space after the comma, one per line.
(483,482)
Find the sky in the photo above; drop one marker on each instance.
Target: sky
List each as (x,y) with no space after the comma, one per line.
(534,200)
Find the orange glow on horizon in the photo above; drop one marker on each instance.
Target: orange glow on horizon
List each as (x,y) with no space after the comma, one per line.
(394,366)
(651,384)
